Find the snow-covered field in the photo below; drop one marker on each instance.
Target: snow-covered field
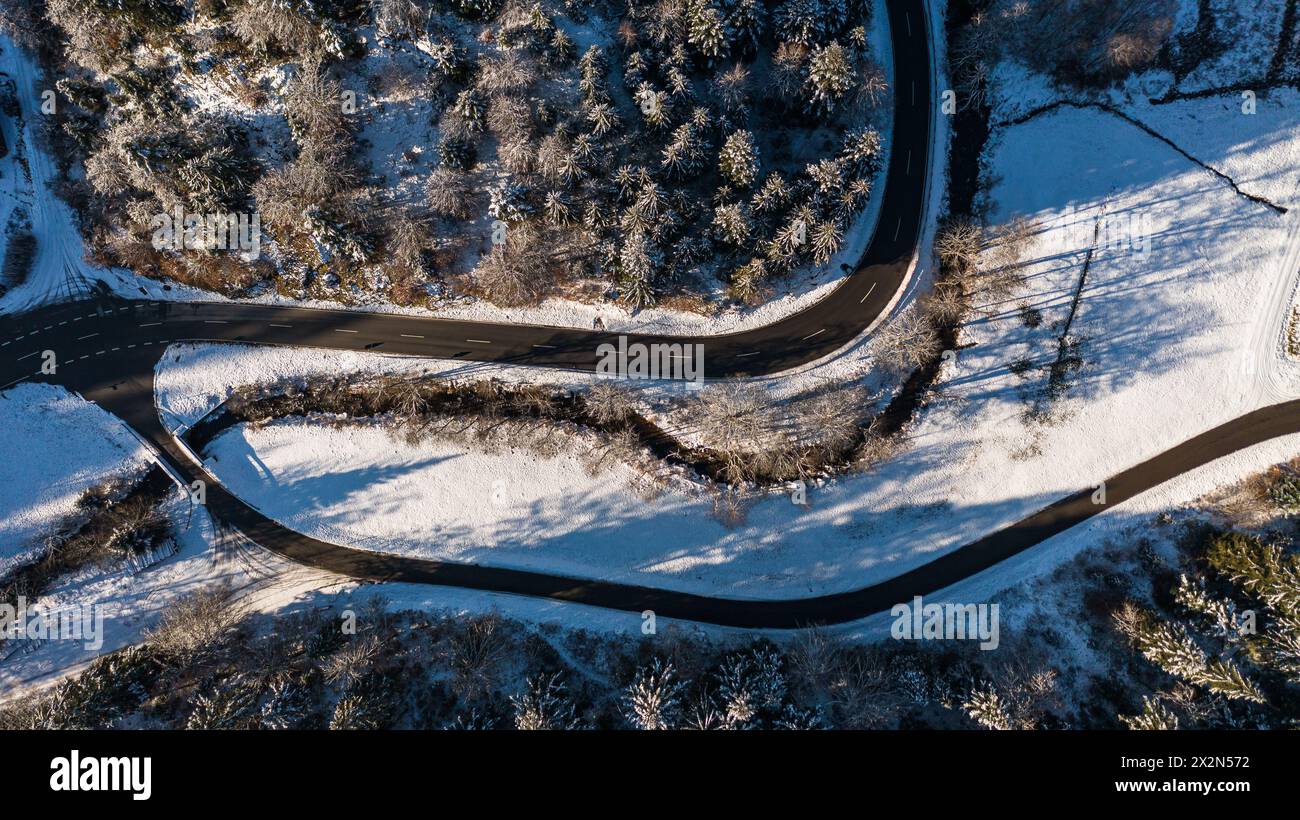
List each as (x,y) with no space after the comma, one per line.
(53,447)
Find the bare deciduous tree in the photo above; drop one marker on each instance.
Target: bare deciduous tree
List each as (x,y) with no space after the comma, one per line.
(908,342)
(193,623)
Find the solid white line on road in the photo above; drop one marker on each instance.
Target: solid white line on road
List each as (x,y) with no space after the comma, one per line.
(897,227)
(479,341)
(151,324)
(868,293)
(338,330)
(87,336)
(411,336)
(810,335)
(743,355)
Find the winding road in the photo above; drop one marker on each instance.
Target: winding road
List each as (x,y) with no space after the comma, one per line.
(107,349)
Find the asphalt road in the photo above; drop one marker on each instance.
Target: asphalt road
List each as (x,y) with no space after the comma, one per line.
(812,333)
(107,349)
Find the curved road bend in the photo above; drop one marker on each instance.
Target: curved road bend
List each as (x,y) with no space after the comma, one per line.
(108,349)
(814,332)
(130,396)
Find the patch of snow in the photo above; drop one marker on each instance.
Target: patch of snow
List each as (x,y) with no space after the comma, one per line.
(55,447)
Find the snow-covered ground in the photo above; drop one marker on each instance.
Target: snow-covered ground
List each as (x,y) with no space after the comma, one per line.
(53,447)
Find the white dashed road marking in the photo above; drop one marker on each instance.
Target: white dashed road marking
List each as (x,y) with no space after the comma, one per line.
(810,335)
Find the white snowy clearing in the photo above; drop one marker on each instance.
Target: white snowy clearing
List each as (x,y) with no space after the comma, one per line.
(53,447)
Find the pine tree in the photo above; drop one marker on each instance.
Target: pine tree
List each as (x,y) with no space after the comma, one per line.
(683,156)
(354,712)
(636,265)
(544,705)
(827,176)
(508,201)
(653,105)
(457,153)
(792,238)
(1169,646)
(774,195)
(807,22)
(1154,716)
(985,707)
(732,224)
(591,76)
(1263,570)
(826,240)
(707,30)
(794,718)
(746,283)
(557,209)
(469,106)
(653,699)
(861,154)
(1285,493)
(287,705)
(746,20)
(448,59)
(738,159)
(334,238)
(228,706)
(830,77)
(602,118)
